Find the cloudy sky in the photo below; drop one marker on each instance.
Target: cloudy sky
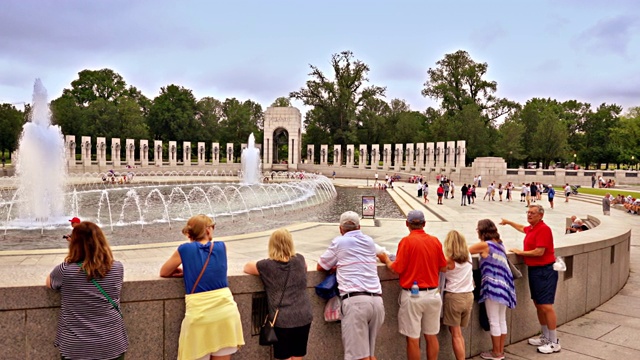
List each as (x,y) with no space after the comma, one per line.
(587,50)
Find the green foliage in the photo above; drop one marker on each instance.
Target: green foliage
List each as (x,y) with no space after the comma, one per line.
(11,121)
(173,115)
(282,102)
(338,100)
(91,85)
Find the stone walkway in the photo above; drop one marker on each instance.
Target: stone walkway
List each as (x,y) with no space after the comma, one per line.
(612,331)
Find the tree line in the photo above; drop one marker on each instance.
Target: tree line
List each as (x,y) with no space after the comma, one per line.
(346,108)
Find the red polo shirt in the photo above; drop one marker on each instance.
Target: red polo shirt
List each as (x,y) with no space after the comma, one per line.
(538,236)
(419,258)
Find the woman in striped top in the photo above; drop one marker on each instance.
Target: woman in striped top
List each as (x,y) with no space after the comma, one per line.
(90,324)
(496,289)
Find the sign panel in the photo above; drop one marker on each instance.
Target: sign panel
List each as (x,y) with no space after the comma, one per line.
(368,206)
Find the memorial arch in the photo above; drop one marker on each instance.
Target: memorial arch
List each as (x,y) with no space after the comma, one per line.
(282,138)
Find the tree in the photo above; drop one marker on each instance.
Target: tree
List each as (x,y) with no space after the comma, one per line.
(510,141)
(172,115)
(239,120)
(96,84)
(545,134)
(209,114)
(458,81)
(372,122)
(338,101)
(598,128)
(282,102)
(11,121)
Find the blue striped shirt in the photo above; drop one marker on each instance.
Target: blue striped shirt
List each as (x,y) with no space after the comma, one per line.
(497,280)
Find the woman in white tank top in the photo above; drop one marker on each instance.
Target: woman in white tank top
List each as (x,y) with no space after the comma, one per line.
(458,289)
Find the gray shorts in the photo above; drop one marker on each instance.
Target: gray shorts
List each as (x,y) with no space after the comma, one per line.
(362,317)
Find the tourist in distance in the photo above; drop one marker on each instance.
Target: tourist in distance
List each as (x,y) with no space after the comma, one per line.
(567,192)
(284,275)
(209,304)
(539,256)
(606,204)
(458,289)
(419,262)
(74,222)
(353,254)
(551,194)
(497,290)
(89,326)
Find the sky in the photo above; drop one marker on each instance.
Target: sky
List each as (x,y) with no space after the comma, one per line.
(587,50)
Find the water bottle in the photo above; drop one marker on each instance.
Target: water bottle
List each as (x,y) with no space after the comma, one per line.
(415,290)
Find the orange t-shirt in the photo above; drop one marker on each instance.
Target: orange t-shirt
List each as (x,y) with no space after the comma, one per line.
(419,258)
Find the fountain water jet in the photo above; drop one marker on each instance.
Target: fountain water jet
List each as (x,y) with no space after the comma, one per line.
(41,165)
(251,162)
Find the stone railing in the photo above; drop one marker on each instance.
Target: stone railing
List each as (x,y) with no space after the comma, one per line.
(597,268)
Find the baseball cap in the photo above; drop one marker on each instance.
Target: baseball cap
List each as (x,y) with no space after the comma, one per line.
(350,217)
(75,220)
(550,185)
(415,216)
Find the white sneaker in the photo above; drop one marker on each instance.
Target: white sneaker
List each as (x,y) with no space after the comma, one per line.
(550,348)
(539,340)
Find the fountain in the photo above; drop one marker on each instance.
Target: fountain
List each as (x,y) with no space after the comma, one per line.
(251,162)
(41,167)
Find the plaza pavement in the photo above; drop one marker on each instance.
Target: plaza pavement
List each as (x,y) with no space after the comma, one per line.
(612,331)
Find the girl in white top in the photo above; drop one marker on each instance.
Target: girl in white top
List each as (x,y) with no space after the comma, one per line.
(458,290)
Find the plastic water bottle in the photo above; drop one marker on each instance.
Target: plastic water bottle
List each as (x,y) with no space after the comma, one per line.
(415,290)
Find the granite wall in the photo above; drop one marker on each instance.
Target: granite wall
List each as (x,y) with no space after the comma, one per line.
(598,267)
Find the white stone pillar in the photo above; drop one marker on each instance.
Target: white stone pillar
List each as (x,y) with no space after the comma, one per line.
(450,153)
(85,145)
(201,153)
(144,153)
(337,156)
(350,155)
(101,151)
(439,155)
(173,153)
(409,157)
(387,155)
(186,153)
(157,151)
(461,151)
(375,156)
(215,153)
(130,154)
(398,152)
(324,155)
(310,155)
(70,143)
(419,156)
(229,153)
(115,152)
(430,156)
(363,156)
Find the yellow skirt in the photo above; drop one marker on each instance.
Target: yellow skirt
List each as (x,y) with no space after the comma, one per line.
(211,322)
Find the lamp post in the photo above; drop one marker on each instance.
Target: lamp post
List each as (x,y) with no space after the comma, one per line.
(575,159)
(633,162)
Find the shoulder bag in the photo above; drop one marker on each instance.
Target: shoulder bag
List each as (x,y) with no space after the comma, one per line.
(267,332)
(204,267)
(113,303)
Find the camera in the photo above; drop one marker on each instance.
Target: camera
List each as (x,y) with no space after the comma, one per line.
(66,236)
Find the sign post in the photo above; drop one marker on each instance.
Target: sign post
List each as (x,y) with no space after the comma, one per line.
(369,207)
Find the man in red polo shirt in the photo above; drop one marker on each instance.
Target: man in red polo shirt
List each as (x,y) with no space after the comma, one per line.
(539,255)
(419,260)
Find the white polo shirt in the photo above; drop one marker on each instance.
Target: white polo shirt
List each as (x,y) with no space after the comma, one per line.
(354,254)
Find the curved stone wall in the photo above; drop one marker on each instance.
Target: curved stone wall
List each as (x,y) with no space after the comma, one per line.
(598,267)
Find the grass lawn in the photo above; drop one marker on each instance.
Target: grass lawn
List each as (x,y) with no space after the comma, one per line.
(595,191)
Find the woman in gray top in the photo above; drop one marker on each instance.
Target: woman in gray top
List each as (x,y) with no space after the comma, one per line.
(294,316)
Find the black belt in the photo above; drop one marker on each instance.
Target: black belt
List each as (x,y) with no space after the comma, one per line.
(422,289)
(358,293)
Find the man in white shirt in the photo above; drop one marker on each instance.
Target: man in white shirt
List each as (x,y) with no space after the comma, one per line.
(353,254)
(567,192)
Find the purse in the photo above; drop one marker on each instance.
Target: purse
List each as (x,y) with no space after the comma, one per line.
(268,335)
(517,274)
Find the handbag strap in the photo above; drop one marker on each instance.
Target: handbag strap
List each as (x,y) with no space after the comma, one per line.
(113,303)
(193,289)
(284,288)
